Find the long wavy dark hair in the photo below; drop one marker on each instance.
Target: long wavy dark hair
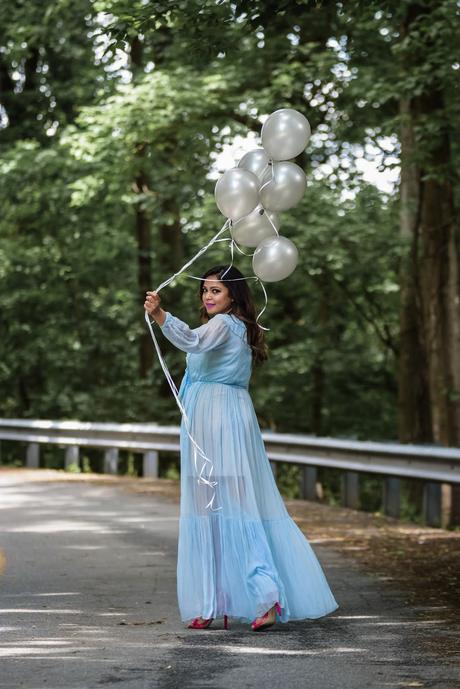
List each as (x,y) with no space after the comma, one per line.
(243,307)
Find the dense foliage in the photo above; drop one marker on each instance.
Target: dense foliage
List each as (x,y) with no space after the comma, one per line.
(113,114)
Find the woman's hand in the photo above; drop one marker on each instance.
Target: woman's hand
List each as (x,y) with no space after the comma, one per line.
(152,303)
(152,306)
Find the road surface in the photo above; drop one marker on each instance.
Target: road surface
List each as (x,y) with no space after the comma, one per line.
(88,600)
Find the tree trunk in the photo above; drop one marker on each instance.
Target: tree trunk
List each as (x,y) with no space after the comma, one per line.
(429,366)
(429,375)
(439,291)
(142,223)
(317,372)
(414,394)
(169,249)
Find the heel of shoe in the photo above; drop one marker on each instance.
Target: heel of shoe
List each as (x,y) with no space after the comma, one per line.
(225,622)
(278,609)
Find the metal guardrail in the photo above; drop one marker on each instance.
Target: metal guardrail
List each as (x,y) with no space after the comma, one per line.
(437,467)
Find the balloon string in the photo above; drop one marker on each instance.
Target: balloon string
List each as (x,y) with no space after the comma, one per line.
(270,162)
(253,277)
(224,227)
(265,305)
(196,277)
(231,263)
(241,250)
(196,448)
(272,223)
(264,169)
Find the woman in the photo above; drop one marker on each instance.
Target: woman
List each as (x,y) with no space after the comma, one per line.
(240,553)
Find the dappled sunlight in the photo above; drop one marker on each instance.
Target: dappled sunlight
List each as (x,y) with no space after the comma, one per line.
(377,621)
(15,500)
(355,617)
(83,532)
(356,547)
(84,546)
(41,611)
(40,647)
(254,650)
(3,561)
(111,614)
(85,641)
(59,611)
(48,654)
(25,651)
(315,541)
(422,562)
(408,623)
(259,650)
(37,503)
(155,519)
(40,595)
(59,526)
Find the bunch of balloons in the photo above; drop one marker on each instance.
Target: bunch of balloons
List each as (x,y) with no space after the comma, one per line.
(264,183)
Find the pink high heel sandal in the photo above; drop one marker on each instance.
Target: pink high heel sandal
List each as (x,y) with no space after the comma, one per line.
(195,624)
(264,625)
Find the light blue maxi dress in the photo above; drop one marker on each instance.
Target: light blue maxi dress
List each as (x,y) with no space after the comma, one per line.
(240,559)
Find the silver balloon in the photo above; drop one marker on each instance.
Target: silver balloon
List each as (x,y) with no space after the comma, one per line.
(250,230)
(274,259)
(283,186)
(255,161)
(285,134)
(237,193)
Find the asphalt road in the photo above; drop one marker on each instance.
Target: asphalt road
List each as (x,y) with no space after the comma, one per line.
(88,600)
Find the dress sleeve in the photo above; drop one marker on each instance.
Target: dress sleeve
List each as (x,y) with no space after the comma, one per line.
(202,339)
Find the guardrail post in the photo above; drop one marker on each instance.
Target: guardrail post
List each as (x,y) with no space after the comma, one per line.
(455,508)
(111,461)
(437,504)
(392,496)
(33,455)
(350,489)
(72,456)
(150,464)
(308,482)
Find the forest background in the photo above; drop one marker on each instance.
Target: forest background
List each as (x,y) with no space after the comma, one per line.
(114,118)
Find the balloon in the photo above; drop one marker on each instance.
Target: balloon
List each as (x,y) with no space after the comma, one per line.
(274,259)
(250,230)
(237,193)
(283,187)
(285,134)
(255,161)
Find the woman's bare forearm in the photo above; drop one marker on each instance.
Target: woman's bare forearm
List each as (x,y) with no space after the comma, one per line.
(159,317)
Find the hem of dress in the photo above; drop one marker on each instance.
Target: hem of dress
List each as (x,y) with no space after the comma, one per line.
(241,618)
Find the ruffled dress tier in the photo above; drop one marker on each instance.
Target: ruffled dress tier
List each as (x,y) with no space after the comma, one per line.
(245,552)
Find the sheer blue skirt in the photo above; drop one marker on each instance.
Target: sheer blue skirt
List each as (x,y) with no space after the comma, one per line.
(242,558)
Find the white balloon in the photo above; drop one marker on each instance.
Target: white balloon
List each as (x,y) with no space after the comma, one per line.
(274,259)
(255,161)
(285,134)
(237,193)
(250,230)
(283,186)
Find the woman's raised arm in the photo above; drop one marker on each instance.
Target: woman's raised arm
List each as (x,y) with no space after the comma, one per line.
(202,339)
